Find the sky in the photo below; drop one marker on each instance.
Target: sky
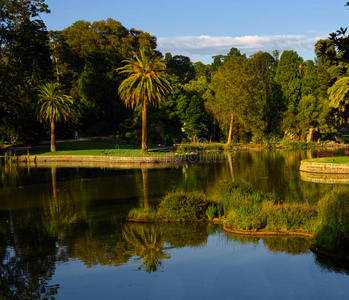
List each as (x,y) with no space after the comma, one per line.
(201,29)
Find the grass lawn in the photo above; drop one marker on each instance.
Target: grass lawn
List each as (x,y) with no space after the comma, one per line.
(332,160)
(106,148)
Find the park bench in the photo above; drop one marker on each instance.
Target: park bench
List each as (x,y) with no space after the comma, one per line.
(346,152)
(322,154)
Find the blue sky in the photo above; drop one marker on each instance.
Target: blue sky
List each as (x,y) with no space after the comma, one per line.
(203,28)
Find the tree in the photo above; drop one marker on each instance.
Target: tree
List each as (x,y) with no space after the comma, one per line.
(145,84)
(339,97)
(101,108)
(236,98)
(54,106)
(289,77)
(263,67)
(194,125)
(24,63)
(182,67)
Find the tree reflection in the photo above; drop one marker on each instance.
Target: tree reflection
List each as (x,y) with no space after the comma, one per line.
(147,243)
(27,256)
(291,245)
(145,187)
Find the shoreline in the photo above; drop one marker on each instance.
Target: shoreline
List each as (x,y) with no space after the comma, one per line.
(102,161)
(324,168)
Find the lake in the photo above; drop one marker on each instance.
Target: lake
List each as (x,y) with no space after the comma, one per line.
(64,235)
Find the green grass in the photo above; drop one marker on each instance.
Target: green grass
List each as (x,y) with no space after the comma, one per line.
(332,160)
(105,148)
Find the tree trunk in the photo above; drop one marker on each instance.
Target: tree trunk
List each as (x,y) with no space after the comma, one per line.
(53,139)
(56,60)
(144,128)
(230,128)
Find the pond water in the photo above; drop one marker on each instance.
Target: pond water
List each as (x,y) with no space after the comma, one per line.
(64,235)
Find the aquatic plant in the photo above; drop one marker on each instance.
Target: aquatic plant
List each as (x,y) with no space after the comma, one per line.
(144,213)
(211,212)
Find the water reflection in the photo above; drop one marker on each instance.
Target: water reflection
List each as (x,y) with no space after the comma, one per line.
(52,216)
(326,178)
(147,243)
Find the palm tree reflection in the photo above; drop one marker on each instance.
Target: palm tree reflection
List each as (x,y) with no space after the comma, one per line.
(146,242)
(145,187)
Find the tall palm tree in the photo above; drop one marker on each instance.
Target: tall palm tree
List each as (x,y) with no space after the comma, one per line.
(145,84)
(54,106)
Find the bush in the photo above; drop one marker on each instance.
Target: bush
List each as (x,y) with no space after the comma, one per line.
(333,207)
(211,212)
(143,213)
(183,206)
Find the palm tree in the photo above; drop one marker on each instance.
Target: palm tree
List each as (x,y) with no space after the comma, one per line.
(54,106)
(145,84)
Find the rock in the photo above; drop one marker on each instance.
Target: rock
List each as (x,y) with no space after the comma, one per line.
(314,135)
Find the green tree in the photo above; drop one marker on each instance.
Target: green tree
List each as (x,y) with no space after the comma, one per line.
(339,97)
(101,108)
(54,106)
(263,68)
(194,124)
(182,67)
(145,84)
(289,78)
(24,63)
(236,98)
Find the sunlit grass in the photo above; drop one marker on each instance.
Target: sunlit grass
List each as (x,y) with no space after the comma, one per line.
(332,160)
(97,148)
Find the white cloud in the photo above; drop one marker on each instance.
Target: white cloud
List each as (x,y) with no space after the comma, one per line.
(209,45)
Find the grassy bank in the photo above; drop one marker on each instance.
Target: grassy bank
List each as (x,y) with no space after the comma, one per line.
(244,208)
(97,147)
(332,160)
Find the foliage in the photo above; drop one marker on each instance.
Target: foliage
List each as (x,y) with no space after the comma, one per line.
(54,104)
(100,107)
(145,213)
(24,63)
(182,67)
(211,212)
(183,206)
(248,209)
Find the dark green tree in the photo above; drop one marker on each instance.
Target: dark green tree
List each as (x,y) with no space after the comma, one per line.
(100,107)
(194,126)
(182,67)
(24,63)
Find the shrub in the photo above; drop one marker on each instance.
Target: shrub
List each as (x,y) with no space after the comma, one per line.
(143,213)
(183,206)
(333,207)
(211,212)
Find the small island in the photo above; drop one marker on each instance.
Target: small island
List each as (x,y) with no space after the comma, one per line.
(329,165)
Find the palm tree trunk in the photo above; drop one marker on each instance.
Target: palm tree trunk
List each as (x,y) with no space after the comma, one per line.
(53,139)
(230,128)
(144,128)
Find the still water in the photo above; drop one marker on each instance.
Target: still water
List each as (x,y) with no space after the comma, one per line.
(64,235)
